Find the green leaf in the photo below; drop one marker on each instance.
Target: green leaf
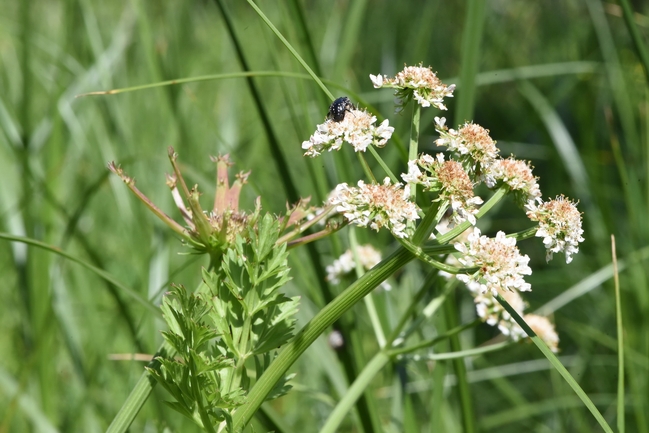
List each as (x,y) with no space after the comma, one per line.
(277,328)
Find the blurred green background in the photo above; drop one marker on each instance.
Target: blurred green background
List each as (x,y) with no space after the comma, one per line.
(558,83)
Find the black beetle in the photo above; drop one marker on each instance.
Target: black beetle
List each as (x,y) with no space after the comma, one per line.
(338,108)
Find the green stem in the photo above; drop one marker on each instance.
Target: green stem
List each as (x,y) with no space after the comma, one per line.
(354,392)
(368,300)
(460,228)
(199,78)
(468,417)
(383,165)
(433,341)
(139,394)
(312,330)
(242,354)
(198,398)
(419,253)
(469,352)
(524,234)
(431,218)
(413,149)
(366,167)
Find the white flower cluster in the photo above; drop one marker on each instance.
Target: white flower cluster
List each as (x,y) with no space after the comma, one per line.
(517,175)
(559,225)
(376,206)
(501,265)
(418,82)
(471,142)
(345,264)
(357,128)
(449,180)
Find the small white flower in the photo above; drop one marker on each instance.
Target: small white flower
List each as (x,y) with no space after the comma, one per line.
(377,80)
(414,175)
(422,101)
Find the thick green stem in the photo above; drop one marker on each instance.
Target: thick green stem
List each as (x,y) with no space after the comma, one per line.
(242,353)
(413,148)
(325,318)
(431,218)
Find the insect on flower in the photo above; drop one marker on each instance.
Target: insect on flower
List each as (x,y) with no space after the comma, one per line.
(338,108)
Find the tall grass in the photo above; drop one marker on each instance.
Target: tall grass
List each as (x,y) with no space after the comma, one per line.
(563,85)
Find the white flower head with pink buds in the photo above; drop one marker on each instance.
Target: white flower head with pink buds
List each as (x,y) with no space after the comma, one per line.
(559,225)
(376,206)
(419,83)
(501,265)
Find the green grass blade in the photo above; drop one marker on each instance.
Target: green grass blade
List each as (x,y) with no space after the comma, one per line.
(357,388)
(471,40)
(620,342)
(197,79)
(281,162)
(557,366)
(638,42)
(291,49)
(138,395)
(13,391)
(99,272)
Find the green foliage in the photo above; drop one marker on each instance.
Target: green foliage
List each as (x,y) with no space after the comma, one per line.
(237,313)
